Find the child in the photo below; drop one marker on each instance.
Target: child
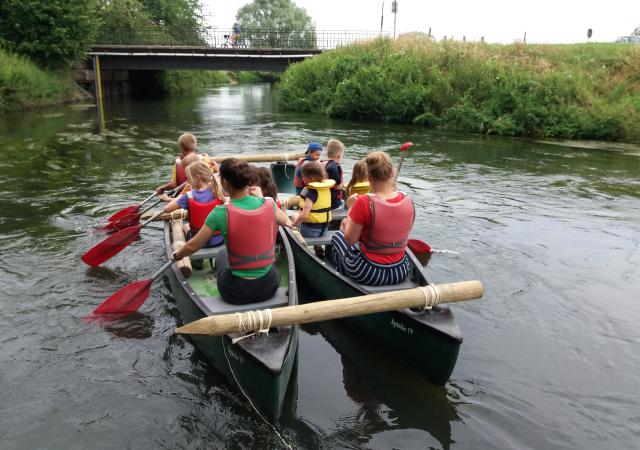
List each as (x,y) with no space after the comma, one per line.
(335,150)
(187,143)
(312,154)
(315,201)
(200,201)
(359,183)
(266,184)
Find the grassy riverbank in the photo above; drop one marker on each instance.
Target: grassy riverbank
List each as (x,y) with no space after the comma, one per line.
(25,86)
(582,91)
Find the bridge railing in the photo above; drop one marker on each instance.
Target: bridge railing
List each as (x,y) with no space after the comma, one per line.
(222,38)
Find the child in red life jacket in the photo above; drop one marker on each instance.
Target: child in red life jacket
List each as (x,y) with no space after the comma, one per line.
(335,151)
(313,153)
(187,143)
(246,271)
(315,201)
(200,201)
(371,246)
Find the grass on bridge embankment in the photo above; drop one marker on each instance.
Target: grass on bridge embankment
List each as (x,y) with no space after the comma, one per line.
(582,91)
(25,86)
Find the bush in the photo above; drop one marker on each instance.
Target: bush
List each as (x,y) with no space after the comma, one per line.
(550,91)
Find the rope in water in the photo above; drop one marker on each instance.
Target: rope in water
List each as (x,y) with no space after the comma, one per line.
(275,430)
(431,296)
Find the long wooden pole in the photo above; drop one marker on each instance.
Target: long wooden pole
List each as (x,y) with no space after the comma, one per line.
(98,85)
(335,309)
(262,157)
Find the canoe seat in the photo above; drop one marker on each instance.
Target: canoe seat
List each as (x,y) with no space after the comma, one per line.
(218,306)
(205,253)
(322,240)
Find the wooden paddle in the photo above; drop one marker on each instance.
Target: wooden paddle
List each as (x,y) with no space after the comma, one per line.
(114,244)
(262,157)
(250,321)
(129,298)
(403,148)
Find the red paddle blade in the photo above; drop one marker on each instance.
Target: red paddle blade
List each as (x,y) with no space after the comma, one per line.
(127,300)
(418,246)
(129,220)
(404,147)
(110,246)
(133,209)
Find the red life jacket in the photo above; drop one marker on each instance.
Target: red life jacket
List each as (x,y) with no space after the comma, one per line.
(390,225)
(198,212)
(336,192)
(297,174)
(251,236)
(181,175)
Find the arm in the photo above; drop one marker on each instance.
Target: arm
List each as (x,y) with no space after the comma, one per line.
(170,185)
(304,214)
(195,243)
(171,206)
(282,218)
(352,231)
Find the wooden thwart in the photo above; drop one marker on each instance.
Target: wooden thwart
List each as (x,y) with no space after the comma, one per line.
(177,242)
(261,157)
(173,215)
(335,309)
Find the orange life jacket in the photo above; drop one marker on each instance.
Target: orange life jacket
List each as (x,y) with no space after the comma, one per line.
(251,236)
(390,226)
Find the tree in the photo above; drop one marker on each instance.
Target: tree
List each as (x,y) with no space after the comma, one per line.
(276,23)
(52,33)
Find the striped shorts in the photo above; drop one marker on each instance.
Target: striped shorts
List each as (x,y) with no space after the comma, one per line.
(350,261)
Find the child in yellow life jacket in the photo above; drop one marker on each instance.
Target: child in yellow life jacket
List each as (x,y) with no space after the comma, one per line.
(359,183)
(199,201)
(315,201)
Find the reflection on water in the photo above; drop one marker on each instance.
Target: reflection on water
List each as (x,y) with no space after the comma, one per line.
(551,229)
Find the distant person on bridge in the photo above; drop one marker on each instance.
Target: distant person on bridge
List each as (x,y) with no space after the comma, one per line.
(235,36)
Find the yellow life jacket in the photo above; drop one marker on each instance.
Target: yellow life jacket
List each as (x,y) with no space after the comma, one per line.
(361,188)
(321,209)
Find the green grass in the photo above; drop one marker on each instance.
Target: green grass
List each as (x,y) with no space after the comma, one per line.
(24,86)
(582,91)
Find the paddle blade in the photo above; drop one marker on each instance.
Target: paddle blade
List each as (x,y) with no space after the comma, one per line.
(129,220)
(421,249)
(110,246)
(404,147)
(133,209)
(127,300)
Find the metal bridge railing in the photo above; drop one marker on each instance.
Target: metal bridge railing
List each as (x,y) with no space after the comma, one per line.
(221,38)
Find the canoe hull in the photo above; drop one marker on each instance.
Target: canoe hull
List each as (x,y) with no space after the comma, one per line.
(428,341)
(264,385)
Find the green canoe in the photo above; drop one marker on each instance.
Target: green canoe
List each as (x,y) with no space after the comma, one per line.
(261,365)
(427,340)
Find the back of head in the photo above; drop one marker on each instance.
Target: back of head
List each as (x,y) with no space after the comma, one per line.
(265,181)
(334,148)
(379,166)
(198,171)
(359,172)
(187,142)
(314,171)
(190,159)
(237,173)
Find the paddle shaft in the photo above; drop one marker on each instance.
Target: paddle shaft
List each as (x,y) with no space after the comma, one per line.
(161,270)
(335,309)
(264,157)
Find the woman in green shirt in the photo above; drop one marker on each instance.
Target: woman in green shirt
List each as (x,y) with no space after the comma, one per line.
(248,224)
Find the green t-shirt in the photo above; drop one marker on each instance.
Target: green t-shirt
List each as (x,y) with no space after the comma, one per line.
(217,221)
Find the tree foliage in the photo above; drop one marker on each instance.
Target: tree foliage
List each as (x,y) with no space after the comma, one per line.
(286,22)
(52,33)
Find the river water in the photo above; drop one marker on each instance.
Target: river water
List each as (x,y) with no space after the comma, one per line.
(551,355)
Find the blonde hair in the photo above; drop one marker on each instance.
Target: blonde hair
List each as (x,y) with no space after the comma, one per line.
(379,166)
(188,141)
(200,171)
(358,175)
(334,147)
(189,159)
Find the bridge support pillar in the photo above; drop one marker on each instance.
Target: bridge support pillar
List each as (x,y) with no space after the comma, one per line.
(98,83)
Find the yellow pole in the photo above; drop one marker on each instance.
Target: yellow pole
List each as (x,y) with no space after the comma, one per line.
(98,81)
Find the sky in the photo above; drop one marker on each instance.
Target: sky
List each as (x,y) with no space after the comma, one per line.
(499,21)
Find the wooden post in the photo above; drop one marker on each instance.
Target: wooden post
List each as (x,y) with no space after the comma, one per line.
(264,157)
(249,321)
(178,241)
(98,88)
